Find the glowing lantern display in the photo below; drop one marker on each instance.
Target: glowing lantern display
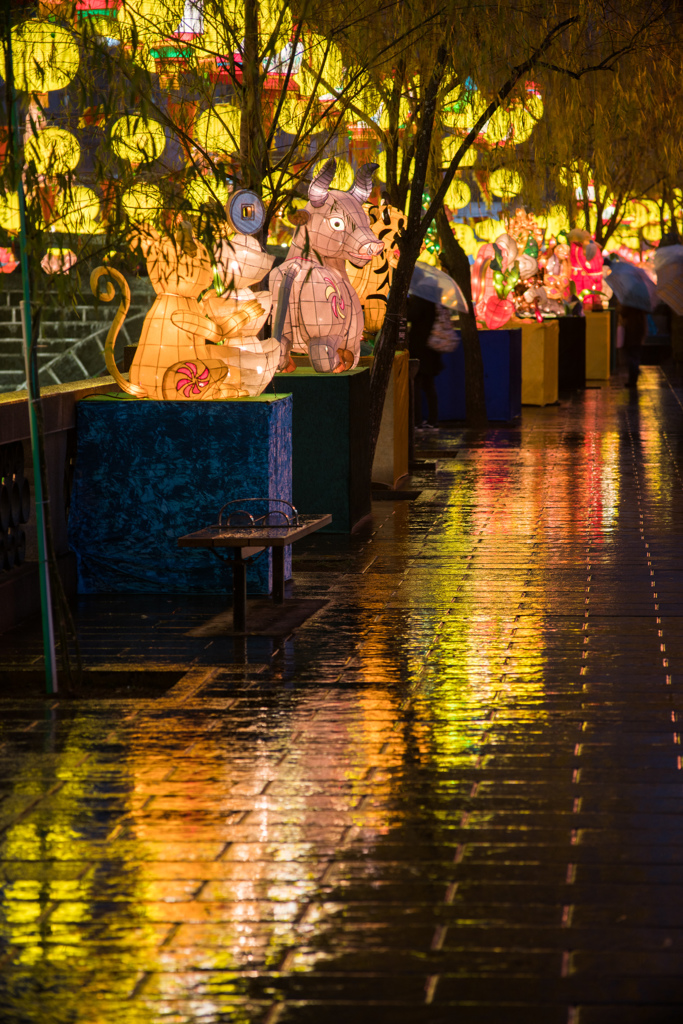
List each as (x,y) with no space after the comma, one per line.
(449,147)
(182,353)
(137,139)
(466,237)
(45,56)
(77,212)
(203,192)
(462,108)
(458,194)
(9,212)
(373,281)
(218,130)
(143,203)
(505,183)
(322,314)
(53,151)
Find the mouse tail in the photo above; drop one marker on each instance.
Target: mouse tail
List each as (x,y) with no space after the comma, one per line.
(108,294)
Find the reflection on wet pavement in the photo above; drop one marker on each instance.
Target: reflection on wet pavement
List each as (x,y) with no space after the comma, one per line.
(455,794)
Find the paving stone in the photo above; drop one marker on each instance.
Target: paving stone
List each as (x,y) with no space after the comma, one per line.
(455,794)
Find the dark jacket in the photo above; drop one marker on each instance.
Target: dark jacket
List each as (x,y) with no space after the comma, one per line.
(421,315)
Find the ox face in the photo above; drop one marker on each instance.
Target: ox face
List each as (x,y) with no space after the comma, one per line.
(336,225)
(340,229)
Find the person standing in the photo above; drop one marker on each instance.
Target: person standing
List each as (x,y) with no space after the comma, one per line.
(634,323)
(421,317)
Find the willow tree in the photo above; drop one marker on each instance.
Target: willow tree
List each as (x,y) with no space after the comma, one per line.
(609,147)
(479,60)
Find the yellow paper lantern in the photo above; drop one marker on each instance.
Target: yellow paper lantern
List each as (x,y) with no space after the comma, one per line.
(322,60)
(137,139)
(652,232)
(53,151)
(9,212)
(45,56)
(77,212)
(458,194)
(218,130)
(143,203)
(554,221)
(466,238)
(205,192)
(270,13)
(505,183)
(489,229)
(382,158)
(462,109)
(450,145)
(343,176)
(638,214)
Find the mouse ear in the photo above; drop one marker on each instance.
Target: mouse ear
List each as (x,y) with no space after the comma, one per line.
(143,237)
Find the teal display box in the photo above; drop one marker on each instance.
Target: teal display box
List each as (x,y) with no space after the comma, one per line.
(330,443)
(148,472)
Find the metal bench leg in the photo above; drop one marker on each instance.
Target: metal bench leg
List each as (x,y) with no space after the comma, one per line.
(278,574)
(239,593)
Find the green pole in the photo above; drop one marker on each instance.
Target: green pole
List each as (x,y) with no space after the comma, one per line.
(35,416)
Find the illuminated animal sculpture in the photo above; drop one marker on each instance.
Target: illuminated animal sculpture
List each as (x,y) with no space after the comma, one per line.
(586,262)
(241,262)
(494,276)
(373,281)
(178,356)
(316,309)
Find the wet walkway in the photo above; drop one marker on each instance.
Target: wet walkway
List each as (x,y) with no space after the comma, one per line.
(454,795)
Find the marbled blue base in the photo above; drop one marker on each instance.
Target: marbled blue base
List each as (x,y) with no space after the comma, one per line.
(501,352)
(148,472)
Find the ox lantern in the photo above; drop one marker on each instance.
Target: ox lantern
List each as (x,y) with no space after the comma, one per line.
(316,309)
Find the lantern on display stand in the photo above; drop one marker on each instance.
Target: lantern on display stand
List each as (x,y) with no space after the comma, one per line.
(586,267)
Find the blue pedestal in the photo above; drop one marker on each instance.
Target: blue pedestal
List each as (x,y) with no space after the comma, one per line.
(330,432)
(148,472)
(502,356)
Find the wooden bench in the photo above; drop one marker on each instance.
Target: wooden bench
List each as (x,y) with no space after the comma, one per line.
(246,541)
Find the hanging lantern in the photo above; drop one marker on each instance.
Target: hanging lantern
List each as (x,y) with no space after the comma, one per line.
(137,139)
(143,203)
(450,145)
(462,108)
(203,192)
(77,212)
(465,236)
(45,56)
(218,130)
(320,59)
(505,183)
(458,194)
(9,212)
(53,151)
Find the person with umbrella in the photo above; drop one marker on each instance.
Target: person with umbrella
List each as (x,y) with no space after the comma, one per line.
(635,295)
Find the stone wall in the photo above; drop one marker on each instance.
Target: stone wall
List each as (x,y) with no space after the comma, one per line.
(72,338)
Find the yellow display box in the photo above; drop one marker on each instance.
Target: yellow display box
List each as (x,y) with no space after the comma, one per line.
(540,354)
(598,345)
(390,465)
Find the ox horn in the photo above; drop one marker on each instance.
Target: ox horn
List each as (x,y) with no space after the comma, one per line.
(318,189)
(362,183)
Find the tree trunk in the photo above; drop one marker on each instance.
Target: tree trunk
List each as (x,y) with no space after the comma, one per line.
(456,263)
(252,141)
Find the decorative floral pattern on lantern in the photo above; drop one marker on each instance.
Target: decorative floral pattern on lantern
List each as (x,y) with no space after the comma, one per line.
(334,227)
(586,265)
(177,357)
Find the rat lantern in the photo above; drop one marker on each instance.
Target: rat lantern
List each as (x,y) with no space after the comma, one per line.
(241,262)
(316,309)
(182,354)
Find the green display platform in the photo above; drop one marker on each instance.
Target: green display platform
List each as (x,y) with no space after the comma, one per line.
(330,455)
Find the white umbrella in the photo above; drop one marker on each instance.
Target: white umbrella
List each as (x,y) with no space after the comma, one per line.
(669,267)
(632,286)
(429,283)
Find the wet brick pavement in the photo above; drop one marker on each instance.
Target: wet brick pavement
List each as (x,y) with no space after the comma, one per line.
(454,795)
